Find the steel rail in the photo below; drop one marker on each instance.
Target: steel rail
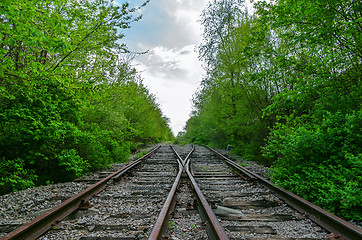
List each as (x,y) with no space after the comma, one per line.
(325,219)
(46,221)
(179,159)
(161,225)
(214,228)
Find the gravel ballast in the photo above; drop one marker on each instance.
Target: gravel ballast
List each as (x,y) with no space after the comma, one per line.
(108,209)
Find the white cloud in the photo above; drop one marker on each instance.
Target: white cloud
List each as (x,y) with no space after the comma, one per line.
(186,15)
(173,64)
(171,69)
(173,76)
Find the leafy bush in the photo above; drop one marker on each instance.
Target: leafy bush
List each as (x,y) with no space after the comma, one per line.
(321,162)
(73,165)
(15,176)
(63,110)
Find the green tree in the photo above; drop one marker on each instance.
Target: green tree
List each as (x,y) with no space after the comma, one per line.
(288,81)
(239,52)
(314,144)
(57,59)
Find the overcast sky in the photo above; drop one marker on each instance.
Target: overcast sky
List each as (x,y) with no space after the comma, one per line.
(171,70)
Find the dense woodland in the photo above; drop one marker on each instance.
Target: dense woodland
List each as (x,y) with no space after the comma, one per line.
(70,101)
(283,87)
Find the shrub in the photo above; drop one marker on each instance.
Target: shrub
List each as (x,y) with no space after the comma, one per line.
(321,162)
(72,165)
(15,176)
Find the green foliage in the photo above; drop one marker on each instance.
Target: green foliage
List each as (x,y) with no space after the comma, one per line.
(19,177)
(321,161)
(315,143)
(284,87)
(73,163)
(69,102)
(228,107)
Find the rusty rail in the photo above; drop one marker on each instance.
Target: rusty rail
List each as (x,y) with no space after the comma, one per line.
(213,226)
(320,216)
(46,221)
(161,224)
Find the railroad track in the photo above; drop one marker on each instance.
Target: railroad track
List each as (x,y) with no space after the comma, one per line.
(245,208)
(183,193)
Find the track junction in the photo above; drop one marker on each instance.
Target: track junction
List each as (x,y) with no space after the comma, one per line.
(176,192)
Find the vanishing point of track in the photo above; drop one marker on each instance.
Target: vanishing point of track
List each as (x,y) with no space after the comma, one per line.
(174,184)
